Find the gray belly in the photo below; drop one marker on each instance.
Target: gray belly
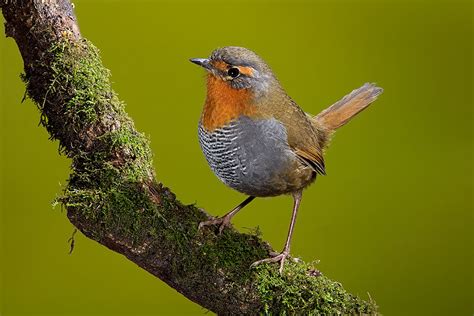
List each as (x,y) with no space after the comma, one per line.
(253,157)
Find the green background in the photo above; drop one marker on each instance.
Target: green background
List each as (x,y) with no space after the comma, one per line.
(394,216)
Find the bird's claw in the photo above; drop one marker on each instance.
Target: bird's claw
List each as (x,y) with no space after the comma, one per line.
(223,222)
(275,257)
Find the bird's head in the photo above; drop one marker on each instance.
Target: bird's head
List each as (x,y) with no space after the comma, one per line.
(239,68)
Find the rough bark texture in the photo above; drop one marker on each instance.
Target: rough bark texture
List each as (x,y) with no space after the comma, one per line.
(112,194)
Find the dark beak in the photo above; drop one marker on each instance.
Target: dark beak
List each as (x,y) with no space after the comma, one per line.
(203,62)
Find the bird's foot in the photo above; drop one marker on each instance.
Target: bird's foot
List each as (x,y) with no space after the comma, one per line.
(275,257)
(223,222)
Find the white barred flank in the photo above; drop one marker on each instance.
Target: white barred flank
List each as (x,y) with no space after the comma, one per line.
(220,149)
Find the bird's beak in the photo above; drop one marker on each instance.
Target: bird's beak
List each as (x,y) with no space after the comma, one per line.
(203,62)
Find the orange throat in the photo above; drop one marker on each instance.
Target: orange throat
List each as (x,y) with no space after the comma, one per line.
(224,104)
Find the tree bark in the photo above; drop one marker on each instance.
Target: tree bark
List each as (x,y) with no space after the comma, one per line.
(113,196)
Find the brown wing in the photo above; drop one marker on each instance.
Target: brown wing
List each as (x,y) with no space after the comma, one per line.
(303,138)
(312,158)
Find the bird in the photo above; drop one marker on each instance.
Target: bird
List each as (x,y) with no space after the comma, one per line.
(257,140)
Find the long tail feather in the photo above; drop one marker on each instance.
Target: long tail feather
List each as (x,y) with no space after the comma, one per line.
(342,111)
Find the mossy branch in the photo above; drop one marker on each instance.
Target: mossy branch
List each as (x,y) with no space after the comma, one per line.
(113,196)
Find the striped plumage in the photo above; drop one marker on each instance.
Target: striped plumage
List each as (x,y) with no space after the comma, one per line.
(252,157)
(220,151)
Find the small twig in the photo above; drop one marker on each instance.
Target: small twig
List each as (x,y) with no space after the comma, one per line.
(72,241)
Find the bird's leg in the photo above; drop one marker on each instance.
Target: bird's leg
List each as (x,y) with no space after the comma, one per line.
(224,221)
(281,257)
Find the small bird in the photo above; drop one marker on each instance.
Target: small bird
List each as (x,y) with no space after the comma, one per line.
(257,140)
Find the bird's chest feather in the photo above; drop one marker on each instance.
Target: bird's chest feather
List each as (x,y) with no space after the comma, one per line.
(224,104)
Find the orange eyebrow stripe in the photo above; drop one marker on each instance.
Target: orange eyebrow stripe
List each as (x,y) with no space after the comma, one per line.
(248,71)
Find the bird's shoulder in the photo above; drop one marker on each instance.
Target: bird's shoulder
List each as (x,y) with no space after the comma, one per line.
(303,138)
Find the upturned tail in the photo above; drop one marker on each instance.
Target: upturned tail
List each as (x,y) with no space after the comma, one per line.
(343,110)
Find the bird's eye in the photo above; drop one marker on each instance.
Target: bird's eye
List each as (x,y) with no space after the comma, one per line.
(233,72)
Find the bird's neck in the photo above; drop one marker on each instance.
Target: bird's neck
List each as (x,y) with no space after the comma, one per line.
(224,104)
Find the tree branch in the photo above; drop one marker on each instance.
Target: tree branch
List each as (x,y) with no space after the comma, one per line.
(112,194)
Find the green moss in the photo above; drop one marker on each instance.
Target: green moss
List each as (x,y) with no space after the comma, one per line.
(111,160)
(301,290)
(232,251)
(77,71)
(136,148)
(123,210)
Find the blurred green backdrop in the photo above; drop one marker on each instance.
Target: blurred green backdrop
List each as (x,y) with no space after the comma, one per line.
(394,216)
